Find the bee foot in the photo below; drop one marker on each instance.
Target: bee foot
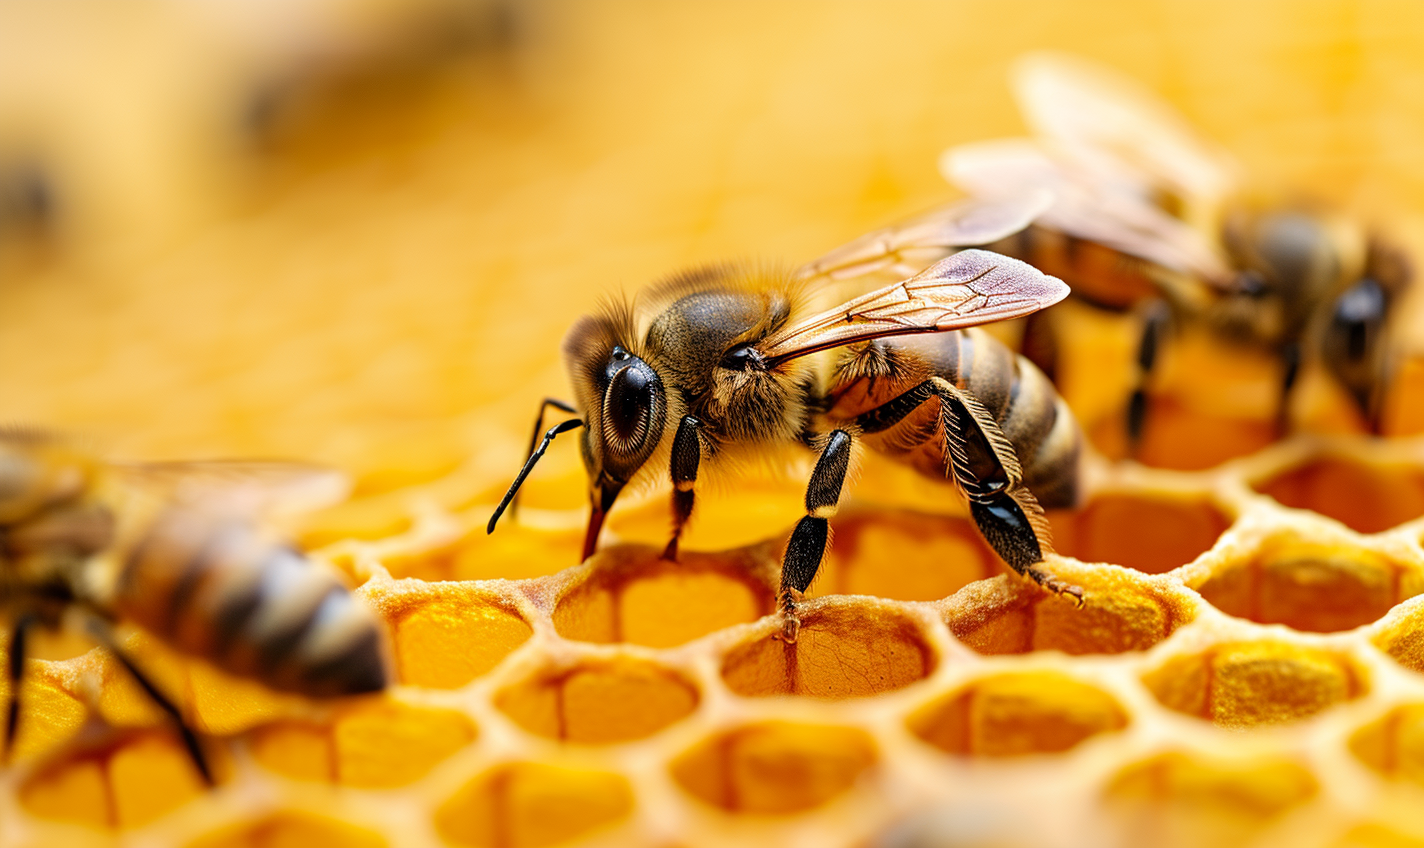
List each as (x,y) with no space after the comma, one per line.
(1057,587)
(790,628)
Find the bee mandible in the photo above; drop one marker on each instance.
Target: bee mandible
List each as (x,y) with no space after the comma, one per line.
(199,572)
(723,361)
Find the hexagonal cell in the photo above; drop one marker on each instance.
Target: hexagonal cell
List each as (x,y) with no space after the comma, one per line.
(1008,715)
(1367,498)
(844,651)
(599,701)
(1401,636)
(636,596)
(774,768)
(903,555)
(49,716)
(1119,614)
(1152,532)
(376,743)
(514,552)
(1393,744)
(289,828)
(529,805)
(1311,586)
(1247,684)
(128,782)
(1177,799)
(448,634)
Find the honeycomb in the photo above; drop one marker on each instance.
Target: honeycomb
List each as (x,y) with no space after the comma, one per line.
(381,284)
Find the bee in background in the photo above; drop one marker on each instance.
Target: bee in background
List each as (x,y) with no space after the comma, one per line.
(199,572)
(1147,216)
(722,361)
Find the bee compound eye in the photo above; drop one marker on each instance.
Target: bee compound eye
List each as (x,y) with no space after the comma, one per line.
(628,406)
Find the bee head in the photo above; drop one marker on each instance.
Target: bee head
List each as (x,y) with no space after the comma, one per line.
(625,407)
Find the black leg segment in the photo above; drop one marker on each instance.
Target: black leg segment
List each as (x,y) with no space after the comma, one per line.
(16,675)
(534,436)
(1155,321)
(564,427)
(686,456)
(190,740)
(807,546)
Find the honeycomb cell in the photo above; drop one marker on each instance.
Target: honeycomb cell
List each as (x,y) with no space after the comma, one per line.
(1119,614)
(529,805)
(775,768)
(516,552)
(49,714)
(1368,498)
(599,702)
(844,651)
(1176,799)
(1248,684)
(1146,531)
(290,829)
(1401,636)
(127,783)
(452,635)
(1393,745)
(903,555)
(636,596)
(376,743)
(1008,715)
(1310,585)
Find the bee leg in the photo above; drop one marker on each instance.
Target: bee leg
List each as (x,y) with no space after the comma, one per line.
(808,541)
(534,437)
(1154,326)
(686,455)
(17,673)
(190,740)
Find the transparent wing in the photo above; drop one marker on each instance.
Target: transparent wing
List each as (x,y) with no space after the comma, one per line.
(1103,206)
(907,248)
(272,487)
(969,288)
(1101,119)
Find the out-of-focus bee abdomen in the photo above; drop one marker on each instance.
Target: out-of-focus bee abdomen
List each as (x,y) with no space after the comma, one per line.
(1020,398)
(212,586)
(1098,274)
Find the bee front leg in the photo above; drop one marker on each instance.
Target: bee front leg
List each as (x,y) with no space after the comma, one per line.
(686,456)
(190,740)
(808,541)
(534,438)
(16,675)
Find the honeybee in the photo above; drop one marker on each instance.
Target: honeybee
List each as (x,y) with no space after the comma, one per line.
(198,572)
(722,361)
(1147,216)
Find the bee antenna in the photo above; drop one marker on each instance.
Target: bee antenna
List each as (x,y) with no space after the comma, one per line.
(563,427)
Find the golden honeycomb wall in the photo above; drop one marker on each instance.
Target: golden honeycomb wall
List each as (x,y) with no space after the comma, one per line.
(377,277)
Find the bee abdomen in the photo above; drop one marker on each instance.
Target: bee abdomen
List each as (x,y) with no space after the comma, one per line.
(214,587)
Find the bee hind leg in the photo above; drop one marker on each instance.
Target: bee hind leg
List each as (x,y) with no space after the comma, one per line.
(190,739)
(18,633)
(807,546)
(1156,320)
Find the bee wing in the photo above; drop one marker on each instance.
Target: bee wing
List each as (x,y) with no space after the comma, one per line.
(1097,205)
(910,246)
(970,287)
(1104,120)
(271,487)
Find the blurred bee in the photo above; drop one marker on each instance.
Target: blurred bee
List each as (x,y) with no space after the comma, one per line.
(1149,217)
(198,573)
(724,362)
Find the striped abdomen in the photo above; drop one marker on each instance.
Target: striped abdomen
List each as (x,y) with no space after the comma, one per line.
(1016,394)
(213,586)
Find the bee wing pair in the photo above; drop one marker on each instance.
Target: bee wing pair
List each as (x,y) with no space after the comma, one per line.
(1111,153)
